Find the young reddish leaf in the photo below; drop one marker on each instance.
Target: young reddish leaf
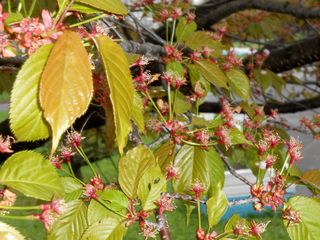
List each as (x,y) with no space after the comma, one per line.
(216,206)
(239,83)
(66,86)
(33,175)
(312,177)
(121,87)
(26,117)
(131,168)
(212,73)
(192,165)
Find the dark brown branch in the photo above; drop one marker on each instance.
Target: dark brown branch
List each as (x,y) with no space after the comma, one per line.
(296,55)
(232,170)
(163,226)
(211,13)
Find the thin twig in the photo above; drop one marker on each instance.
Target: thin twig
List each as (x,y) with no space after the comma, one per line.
(231,169)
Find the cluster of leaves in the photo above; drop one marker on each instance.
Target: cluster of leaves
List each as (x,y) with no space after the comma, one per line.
(55,86)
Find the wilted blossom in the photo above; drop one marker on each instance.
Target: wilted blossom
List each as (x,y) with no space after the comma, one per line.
(291,215)
(165,203)
(149,229)
(8,197)
(257,229)
(5,144)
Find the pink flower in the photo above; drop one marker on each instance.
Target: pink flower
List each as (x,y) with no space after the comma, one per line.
(291,215)
(67,154)
(149,230)
(3,17)
(89,192)
(257,229)
(172,173)
(165,203)
(56,162)
(294,150)
(97,183)
(74,139)
(197,187)
(47,19)
(5,144)
(223,135)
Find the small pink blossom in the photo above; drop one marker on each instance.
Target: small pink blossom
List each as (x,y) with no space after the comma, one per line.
(172,173)
(165,203)
(197,187)
(74,139)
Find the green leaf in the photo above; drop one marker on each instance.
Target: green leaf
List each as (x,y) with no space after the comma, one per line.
(200,39)
(33,175)
(239,83)
(72,188)
(72,224)
(63,96)
(180,103)
(309,212)
(115,199)
(192,165)
(13,18)
(312,177)
(237,137)
(262,77)
(111,6)
(163,154)
(217,205)
(232,222)
(132,166)
(26,117)
(121,87)
(137,114)
(216,170)
(175,68)
(150,187)
(101,230)
(212,73)
(184,29)
(97,212)
(189,209)
(118,233)
(9,233)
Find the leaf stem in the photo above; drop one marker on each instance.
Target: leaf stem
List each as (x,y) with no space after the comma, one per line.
(284,164)
(199,213)
(21,207)
(88,20)
(155,106)
(167,30)
(33,4)
(84,156)
(173,31)
(169,100)
(27,217)
(71,170)
(9,6)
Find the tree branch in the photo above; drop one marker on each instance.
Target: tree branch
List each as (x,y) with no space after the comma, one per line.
(295,55)
(211,12)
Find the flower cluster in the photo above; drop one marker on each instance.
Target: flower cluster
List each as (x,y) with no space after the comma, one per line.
(197,188)
(231,61)
(173,80)
(312,124)
(90,189)
(165,203)
(172,54)
(271,195)
(50,213)
(294,150)
(209,236)
(226,112)
(176,129)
